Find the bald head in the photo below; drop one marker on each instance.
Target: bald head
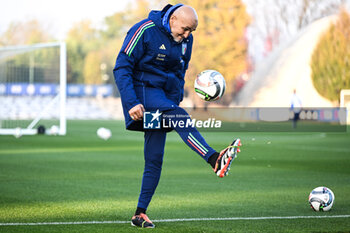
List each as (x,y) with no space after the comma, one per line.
(187,13)
(183,22)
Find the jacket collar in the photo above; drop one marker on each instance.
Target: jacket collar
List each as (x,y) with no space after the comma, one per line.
(161,18)
(168,13)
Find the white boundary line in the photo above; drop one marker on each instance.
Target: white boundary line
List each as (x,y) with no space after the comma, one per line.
(175,220)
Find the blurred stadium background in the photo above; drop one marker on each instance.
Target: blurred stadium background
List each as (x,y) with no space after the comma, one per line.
(264,49)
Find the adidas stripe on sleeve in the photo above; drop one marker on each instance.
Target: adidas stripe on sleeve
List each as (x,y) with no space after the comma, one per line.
(136,37)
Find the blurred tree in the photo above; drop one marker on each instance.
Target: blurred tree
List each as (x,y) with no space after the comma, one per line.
(115,26)
(119,23)
(304,12)
(219,37)
(331,59)
(92,68)
(315,9)
(219,41)
(81,40)
(24,33)
(139,10)
(109,54)
(279,20)
(27,33)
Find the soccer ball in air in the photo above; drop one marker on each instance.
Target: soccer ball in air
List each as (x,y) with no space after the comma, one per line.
(321,199)
(210,85)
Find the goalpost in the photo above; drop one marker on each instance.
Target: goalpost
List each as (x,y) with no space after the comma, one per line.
(345,103)
(33,89)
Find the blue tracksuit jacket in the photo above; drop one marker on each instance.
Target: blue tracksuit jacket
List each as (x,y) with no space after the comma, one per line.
(151,66)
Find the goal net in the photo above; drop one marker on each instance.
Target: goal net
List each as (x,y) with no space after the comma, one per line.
(345,104)
(33,89)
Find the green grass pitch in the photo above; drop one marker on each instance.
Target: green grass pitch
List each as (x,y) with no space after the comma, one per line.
(81,178)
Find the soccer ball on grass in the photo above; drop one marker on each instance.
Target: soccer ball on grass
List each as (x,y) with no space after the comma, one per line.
(210,85)
(321,199)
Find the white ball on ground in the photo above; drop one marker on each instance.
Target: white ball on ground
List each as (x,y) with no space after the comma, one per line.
(104,133)
(321,199)
(18,132)
(54,130)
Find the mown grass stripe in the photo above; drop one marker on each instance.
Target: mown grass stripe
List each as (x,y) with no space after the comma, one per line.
(64,150)
(178,220)
(74,149)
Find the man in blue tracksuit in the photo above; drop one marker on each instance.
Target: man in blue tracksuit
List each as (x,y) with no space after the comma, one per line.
(149,73)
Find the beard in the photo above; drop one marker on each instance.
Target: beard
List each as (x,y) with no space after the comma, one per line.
(177,39)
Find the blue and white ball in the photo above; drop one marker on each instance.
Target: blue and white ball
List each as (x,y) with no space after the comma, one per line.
(210,85)
(321,199)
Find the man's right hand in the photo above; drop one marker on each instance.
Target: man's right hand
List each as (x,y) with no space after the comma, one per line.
(136,112)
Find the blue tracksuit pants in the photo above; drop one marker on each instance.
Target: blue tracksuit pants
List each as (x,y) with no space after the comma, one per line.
(154,150)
